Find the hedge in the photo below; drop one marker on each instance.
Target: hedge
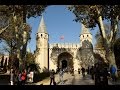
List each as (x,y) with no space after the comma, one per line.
(40,76)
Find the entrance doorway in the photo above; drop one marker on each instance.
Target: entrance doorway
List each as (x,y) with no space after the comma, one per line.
(64,64)
(65,60)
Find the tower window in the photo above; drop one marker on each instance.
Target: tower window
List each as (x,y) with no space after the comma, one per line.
(83,36)
(41,35)
(87,35)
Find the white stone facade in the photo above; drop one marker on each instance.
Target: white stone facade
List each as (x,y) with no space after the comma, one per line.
(47,55)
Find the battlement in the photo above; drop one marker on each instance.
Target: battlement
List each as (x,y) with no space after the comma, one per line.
(64,45)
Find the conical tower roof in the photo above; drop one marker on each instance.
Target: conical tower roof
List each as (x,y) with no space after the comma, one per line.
(84,30)
(28,50)
(42,26)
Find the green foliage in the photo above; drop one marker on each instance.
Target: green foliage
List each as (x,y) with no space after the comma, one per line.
(30,58)
(86,14)
(15,36)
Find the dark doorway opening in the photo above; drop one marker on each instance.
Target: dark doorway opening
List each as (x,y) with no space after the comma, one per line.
(65,61)
(64,64)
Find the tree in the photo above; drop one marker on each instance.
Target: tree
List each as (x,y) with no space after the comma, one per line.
(93,15)
(30,58)
(99,43)
(24,11)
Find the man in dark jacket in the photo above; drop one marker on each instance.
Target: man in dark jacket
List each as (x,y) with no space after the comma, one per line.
(83,71)
(52,77)
(92,72)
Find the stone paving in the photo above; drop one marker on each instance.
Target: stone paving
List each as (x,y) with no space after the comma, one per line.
(80,80)
(77,79)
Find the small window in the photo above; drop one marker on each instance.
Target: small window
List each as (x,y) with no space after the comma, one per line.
(83,36)
(87,35)
(41,35)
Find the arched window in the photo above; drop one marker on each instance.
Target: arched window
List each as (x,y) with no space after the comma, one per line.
(83,36)
(41,35)
(87,35)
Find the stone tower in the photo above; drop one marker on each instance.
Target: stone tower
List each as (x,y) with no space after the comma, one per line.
(86,47)
(85,35)
(41,54)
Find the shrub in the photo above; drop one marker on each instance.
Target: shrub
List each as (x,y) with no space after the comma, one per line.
(40,76)
(5,78)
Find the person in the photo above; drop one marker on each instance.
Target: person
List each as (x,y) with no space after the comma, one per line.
(97,74)
(52,77)
(31,76)
(78,70)
(92,72)
(105,75)
(61,75)
(72,71)
(11,77)
(19,78)
(88,70)
(83,71)
(24,77)
(113,71)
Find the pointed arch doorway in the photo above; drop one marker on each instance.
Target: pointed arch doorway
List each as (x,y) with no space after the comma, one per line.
(65,60)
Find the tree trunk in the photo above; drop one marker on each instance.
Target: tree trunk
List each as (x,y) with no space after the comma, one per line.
(24,38)
(111,57)
(109,51)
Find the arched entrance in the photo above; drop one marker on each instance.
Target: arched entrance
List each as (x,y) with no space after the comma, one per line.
(65,60)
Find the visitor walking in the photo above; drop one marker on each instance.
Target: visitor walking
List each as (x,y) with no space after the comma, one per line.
(78,70)
(12,77)
(92,72)
(105,75)
(113,71)
(61,76)
(52,77)
(19,78)
(97,74)
(83,71)
(24,77)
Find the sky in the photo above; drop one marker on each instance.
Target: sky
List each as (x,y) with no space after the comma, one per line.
(59,22)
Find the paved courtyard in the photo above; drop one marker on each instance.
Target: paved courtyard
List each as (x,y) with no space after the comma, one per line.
(77,79)
(68,79)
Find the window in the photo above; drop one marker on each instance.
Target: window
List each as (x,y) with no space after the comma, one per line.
(83,36)
(41,35)
(87,35)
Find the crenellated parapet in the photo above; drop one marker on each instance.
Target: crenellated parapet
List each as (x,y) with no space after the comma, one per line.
(64,45)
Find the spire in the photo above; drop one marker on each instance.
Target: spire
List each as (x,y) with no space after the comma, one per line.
(42,27)
(28,48)
(84,30)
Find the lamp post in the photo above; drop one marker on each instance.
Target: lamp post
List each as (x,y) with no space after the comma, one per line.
(57,58)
